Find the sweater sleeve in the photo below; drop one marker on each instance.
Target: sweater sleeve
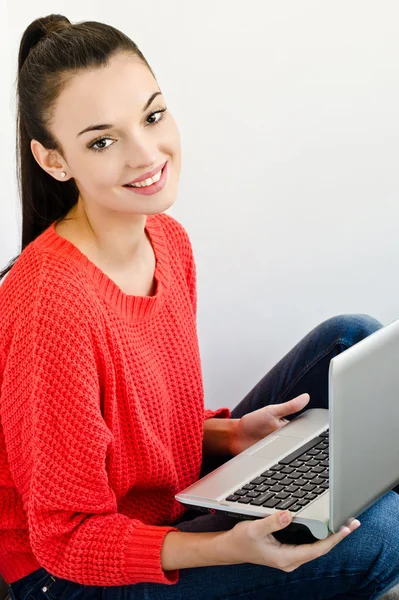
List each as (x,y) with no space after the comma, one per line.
(219,413)
(57,443)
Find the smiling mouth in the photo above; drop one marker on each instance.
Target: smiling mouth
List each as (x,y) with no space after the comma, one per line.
(147,182)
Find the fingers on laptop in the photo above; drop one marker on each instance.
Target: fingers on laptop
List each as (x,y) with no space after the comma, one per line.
(296,556)
(290,407)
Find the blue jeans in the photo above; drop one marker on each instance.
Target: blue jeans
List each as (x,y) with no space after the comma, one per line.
(364,565)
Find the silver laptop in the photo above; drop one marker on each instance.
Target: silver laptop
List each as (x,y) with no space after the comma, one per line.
(325,466)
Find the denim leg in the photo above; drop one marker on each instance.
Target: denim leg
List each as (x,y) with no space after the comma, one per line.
(305,367)
(364,565)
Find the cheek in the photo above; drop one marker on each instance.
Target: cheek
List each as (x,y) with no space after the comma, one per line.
(175,148)
(104,170)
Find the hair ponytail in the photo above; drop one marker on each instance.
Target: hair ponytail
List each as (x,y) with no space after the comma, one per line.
(51,51)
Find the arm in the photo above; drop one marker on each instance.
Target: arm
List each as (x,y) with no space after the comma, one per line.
(246,542)
(58,443)
(218,436)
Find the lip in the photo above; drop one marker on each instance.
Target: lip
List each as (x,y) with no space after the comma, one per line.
(147,175)
(154,188)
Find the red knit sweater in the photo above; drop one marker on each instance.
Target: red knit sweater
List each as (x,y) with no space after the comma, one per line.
(102,412)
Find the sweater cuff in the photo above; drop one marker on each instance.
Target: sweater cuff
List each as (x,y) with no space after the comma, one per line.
(143,555)
(220,413)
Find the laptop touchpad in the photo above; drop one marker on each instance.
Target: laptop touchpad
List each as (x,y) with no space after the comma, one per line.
(276,446)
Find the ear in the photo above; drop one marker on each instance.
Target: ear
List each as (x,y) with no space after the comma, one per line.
(48,160)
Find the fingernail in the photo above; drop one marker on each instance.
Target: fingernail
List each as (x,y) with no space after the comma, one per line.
(285,517)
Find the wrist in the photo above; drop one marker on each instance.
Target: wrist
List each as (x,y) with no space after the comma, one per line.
(219,436)
(225,548)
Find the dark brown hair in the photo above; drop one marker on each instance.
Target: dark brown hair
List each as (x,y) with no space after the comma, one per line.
(51,52)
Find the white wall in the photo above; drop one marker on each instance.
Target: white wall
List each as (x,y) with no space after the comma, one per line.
(288,113)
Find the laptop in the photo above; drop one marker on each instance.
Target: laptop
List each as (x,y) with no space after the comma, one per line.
(325,466)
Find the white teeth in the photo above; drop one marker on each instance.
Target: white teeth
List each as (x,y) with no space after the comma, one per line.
(148,181)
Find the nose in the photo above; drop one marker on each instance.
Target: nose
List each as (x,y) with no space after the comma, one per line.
(141,153)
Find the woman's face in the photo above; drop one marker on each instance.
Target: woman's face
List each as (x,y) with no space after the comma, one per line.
(135,138)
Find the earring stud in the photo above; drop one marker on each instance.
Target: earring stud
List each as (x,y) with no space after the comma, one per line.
(62,173)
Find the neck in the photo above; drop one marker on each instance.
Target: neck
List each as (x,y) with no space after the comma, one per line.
(115,238)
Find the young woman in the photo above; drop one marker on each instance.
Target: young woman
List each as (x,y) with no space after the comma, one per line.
(102,409)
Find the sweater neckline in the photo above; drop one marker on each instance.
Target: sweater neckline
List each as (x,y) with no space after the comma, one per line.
(136,307)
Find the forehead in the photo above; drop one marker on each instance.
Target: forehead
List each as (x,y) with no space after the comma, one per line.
(106,94)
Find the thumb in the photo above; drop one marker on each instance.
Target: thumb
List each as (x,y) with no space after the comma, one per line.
(275,522)
(289,407)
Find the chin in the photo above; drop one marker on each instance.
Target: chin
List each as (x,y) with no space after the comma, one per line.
(155,206)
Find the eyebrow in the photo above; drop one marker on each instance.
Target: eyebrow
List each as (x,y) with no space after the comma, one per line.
(109,126)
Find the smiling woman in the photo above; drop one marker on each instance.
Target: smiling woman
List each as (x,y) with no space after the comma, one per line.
(102,418)
(86,182)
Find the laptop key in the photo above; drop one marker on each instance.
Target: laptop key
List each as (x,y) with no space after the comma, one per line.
(259,501)
(299,494)
(313,463)
(308,487)
(296,463)
(262,488)
(285,481)
(241,492)
(314,452)
(232,498)
(303,458)
(325,475)
(278,476)
(294,475)
(322,446)
(324,463)
(248,486)
(325,485)
(291,488)
(287,470)
(311,496)
(258,480)
(325,434)
(277,488)
(303,502)
(318,491)
(294,455)
(296,507)
(267,474)
(315,467)
(244,500)
(286,503)
(299,482)
(304,469)
(309,475)
(282,495)
(277,467)
(317,480)
(253,494)
(271,503)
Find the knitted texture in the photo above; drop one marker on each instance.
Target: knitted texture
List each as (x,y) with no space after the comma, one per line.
(102,411)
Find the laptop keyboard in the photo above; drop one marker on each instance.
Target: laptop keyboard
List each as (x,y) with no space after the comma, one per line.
(293,482)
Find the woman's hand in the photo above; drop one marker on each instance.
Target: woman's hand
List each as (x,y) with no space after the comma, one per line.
(254,426)
(253,542)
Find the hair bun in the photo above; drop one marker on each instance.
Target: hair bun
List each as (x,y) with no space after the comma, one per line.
(37,31)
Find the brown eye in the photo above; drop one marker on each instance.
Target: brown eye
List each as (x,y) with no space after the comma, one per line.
(159,114)
(100,141)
